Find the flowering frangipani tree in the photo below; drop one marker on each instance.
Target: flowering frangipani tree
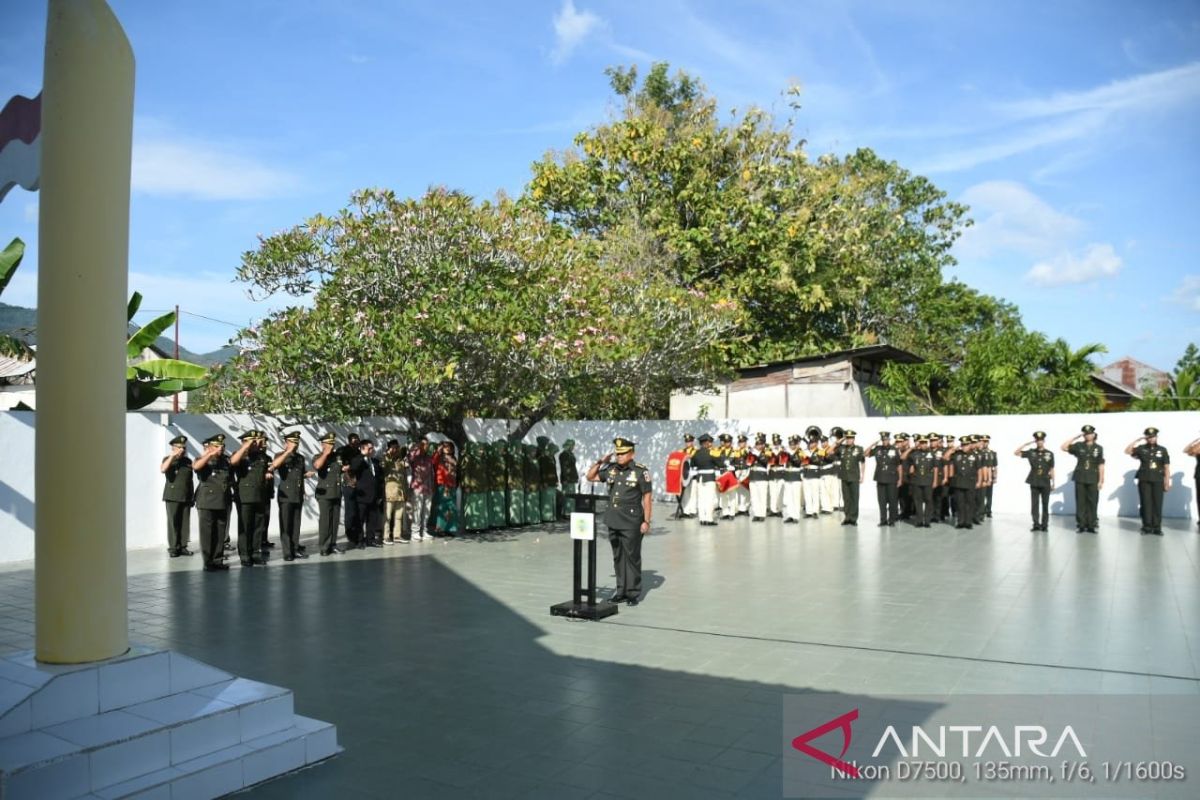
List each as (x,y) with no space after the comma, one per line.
(441,308)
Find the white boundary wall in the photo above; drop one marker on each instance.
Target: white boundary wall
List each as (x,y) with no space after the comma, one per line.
(147,434)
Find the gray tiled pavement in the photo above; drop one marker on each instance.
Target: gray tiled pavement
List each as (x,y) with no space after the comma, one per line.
(447,677)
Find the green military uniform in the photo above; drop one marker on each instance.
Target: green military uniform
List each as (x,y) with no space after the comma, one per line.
(250,477)
(922,472)
(568,475)
(939,507)
(268,494)
(887,478)
(548,478)
(514,468)
(473,468)
(1088,459)
(627,486)
(329,497)
(179,495)
(213,500)
(904,499)
(291,499)
(850,459)
(1151,475)
(992,462)
(966,475)
(532,477)
(1041,465)
(497,474)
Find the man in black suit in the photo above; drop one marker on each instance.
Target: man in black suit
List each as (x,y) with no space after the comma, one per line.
(368,494)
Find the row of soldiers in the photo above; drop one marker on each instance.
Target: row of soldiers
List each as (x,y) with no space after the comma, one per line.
(503,485)
(929,478)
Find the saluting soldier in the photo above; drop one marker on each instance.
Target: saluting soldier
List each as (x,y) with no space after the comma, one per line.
(904,500)
(963,470)
(548,473)
(922,467)
(937,446)
(627,517)
(1153,478)
(760,477)
(887,477)
(329,495)
(1088,477)
(992,462)
(289,466)
(852,468)
(250,467)
(214,496)
(179,496)
(1040,478)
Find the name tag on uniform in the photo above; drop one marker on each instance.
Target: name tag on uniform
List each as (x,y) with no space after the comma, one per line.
(583,526)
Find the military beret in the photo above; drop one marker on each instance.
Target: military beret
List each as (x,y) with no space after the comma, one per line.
(247,436)
(568,444)
(1088,429)
(848,434)
(543,440)
(622,445)
(948,437)
(920,440)
(178,441)
(885,434)
(725,437)
(964,439)
(1151,432)
(292,436)
(1039,435)
(933,436)
(706,437)
(987,438)
(687,437)
(902,436)
(216,438)
(329,438)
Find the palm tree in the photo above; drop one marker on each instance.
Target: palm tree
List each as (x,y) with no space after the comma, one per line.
(1069,373)
(1181,394)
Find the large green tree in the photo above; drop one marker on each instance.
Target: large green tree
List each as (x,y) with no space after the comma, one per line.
(822,254)
(442,308)
(1182,393)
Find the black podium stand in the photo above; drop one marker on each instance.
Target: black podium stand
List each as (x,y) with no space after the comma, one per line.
(581,605)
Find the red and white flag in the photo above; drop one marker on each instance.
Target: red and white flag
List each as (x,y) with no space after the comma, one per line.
(20,144)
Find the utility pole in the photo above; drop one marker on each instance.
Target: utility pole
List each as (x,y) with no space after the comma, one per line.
(175,397)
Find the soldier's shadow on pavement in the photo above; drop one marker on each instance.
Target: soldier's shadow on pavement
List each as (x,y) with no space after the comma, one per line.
(439,689)
(1126,494)
(1178,501)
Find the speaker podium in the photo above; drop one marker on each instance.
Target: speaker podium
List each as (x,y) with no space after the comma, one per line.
(583,604)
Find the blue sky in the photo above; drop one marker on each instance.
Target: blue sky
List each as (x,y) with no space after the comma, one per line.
(1071,127)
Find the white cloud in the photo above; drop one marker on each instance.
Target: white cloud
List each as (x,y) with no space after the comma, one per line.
(571,27)
(1187,293)
(1009,217)
(31,211)
(1097,261)
(1010,128)
(1152,90)
(181,167)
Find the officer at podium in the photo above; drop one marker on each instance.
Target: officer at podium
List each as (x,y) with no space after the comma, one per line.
(627,517)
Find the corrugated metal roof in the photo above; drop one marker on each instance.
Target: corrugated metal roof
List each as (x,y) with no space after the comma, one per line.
(15,367)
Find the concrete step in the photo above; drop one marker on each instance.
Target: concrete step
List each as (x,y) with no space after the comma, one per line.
(193,742)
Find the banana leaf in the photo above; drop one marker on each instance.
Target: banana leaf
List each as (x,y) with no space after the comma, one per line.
(148,333)
(10,259)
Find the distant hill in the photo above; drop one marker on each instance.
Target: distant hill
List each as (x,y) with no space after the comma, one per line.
(22,322)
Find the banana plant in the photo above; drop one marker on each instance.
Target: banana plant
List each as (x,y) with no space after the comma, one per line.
(146,381)
(10,259)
